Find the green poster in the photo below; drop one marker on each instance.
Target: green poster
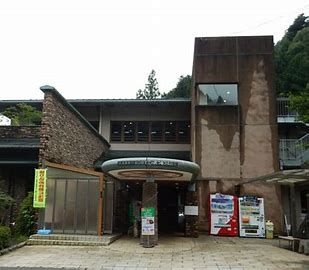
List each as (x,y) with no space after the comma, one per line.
(148,220)
(39,194)
(148,212)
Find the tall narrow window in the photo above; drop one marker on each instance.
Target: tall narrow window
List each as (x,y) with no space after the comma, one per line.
(142,131)
(116,131)
(129,131)
(183,132)
(156,131)
(170,131)
(217,94)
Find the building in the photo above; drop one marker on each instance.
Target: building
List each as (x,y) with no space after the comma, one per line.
(165,154)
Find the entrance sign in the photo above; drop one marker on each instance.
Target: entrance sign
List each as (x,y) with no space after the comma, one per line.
(39,196)
(148,220)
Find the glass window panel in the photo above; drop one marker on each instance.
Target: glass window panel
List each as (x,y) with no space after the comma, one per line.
(49,203)
(129,131)
(59,206)
(116,131)
(70,206)
(156,131)
(170,131)
(184,132)
(93,197)
(217,94)
(142,131)
(81,206)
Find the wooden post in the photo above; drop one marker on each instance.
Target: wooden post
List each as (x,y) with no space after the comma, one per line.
(100,206)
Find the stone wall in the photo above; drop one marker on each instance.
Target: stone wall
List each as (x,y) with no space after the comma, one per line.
(66,137)
(20,132)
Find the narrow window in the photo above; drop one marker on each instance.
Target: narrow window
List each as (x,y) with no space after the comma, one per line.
(129,131)
(142,131)
(170,131)
(183,132)
(156,131)
(116,131)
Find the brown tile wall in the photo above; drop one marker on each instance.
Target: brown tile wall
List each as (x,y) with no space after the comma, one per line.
(65,139)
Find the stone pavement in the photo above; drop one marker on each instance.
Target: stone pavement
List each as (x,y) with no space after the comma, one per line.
(205,252)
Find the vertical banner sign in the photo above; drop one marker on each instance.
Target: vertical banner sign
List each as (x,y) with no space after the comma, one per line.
(39,195)
(148,220)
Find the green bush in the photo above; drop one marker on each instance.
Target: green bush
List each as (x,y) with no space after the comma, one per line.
(27,217)
(5,236)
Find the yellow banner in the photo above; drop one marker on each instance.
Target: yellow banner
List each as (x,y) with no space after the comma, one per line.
(39,195)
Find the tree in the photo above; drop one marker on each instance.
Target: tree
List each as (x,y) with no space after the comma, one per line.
(300,103)
(292,58)
(182,89)
(23,114)
(151,90)
(299,23)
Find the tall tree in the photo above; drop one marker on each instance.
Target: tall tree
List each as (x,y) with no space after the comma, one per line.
(292,58)
(23,115)
(151,90)
(182,89)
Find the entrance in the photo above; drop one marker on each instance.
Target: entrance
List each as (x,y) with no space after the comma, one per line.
(171,201)
(170,207)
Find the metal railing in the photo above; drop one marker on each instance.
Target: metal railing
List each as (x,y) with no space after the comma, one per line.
(294,151)
(284,109)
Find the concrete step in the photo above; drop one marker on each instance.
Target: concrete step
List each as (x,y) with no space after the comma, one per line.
(65,243)
(72,239)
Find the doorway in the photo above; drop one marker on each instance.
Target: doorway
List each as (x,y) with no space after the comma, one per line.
(171,201)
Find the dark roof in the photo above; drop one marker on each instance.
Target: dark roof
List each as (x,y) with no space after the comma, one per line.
(143,101)
(50,89)
(19,143)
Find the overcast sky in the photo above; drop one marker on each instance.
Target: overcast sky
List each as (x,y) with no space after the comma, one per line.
(106,49)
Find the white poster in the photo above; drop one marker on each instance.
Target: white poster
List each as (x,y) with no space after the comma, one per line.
(148,226)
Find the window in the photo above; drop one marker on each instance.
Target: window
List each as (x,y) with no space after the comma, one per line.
(116,131)
(150,132)
(142,131)
(157,131)
(183,132)
(129,131)
(217,94)
(170,131)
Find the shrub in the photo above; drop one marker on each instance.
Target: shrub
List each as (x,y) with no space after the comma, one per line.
(5,236)
(27,217)
(5,202)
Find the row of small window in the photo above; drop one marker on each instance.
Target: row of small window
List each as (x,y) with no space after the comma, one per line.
(148,132)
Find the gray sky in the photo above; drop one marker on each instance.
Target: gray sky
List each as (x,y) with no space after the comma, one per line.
(106,49)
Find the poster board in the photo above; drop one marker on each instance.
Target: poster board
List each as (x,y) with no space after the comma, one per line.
(148,220)
(39,194)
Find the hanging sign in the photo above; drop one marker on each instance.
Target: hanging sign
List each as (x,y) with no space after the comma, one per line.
(148,220)
(39,195)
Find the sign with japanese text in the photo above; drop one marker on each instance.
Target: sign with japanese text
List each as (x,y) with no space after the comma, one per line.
(39,195)
(148,220)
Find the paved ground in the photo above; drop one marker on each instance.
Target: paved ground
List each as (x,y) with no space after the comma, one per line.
(204,252)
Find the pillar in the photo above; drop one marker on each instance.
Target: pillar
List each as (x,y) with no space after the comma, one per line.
(149,202)
(191,219)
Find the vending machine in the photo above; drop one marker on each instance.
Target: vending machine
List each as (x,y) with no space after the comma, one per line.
(223,212)
(251,217)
